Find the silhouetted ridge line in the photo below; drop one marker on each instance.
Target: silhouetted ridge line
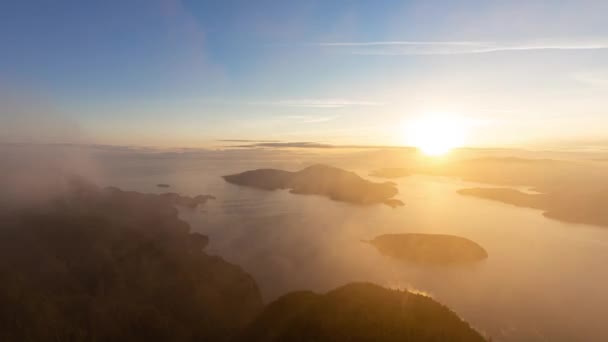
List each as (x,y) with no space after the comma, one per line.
(358,312)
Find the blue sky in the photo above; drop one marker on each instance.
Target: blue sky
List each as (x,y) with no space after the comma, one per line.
(185,73)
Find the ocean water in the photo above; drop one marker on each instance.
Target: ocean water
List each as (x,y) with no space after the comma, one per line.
(544,280)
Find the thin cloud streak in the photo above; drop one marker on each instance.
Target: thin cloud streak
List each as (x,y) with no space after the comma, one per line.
(319,103)
(248,141)
(396,48)
(310,119)
(396,42)
(317,145)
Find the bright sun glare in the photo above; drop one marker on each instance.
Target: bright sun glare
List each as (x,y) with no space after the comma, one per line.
(436,134)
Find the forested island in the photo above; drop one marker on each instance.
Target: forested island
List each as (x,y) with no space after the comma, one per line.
(328,181)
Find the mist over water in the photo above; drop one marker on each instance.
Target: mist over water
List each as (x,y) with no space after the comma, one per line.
(543,280)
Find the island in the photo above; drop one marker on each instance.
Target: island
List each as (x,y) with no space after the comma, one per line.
(508,196)
(163,185)
(171,198)
(186,201)
(358,312)
(435,249)
(328,181)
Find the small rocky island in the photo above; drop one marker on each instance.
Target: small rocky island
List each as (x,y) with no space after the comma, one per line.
(186,201)
(436,249)
(328,181)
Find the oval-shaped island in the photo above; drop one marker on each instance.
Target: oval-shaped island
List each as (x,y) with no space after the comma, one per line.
(437,249)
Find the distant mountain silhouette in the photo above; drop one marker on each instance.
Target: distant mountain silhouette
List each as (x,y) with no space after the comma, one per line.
(334,183)
(358,312)
(429,248)
(573,191)
(542,174)
(573,206)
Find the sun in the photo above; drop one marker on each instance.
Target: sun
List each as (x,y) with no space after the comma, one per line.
(436,134)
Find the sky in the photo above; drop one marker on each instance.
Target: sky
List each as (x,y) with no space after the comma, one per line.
(189,73)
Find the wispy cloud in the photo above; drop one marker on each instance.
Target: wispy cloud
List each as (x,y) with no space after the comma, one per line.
(319,103)
(310,144)
(311,119)
(248,141)
(396,48)
(303,144)
(401,43)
